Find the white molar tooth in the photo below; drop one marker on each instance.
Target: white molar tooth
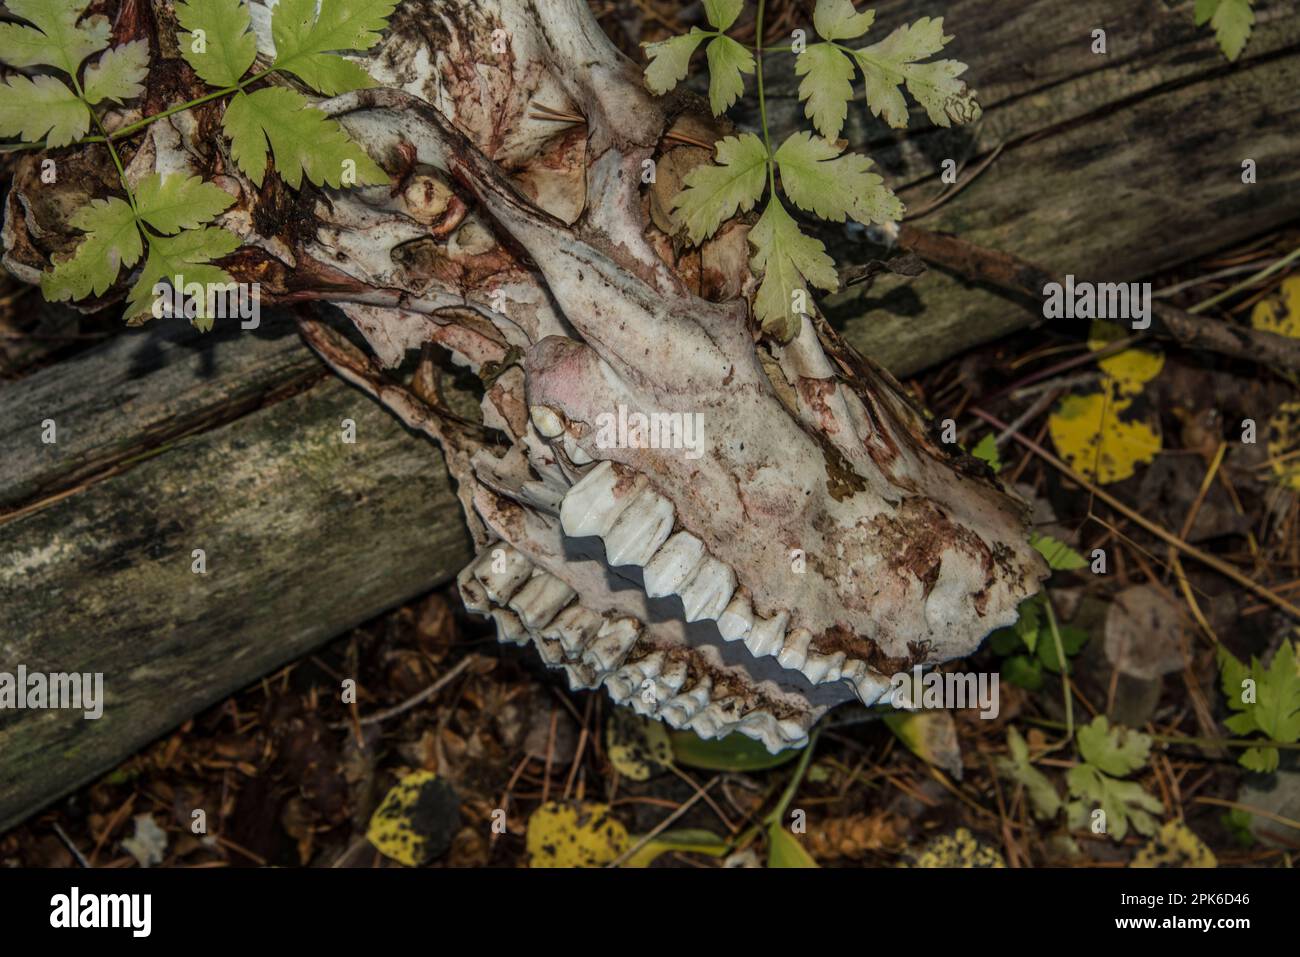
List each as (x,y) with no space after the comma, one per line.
(821,668)
(593,504)
(673,565)
(736,619)
(674,715)
(576,453)
(502,571)
(727,711)
(510,629)
(794,652)
(546,420)
(541,599)
(709,590)
(549,650)
(581,677)
(612,643)
(704,724)
(870,686)
(472,592)
(673,677)
(637,533)
(623,684)
(767,635)
(574,628)
(651,665)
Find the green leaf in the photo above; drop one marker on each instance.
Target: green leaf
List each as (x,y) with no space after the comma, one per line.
(1072,639)
(1060,556)
(1125,802)
(186,255)
(228,47)
(827,85)
(42,108)
(986,450)
(304,140)
(735,752)
(892,62)
(727,61)
(837,20)
(1028,626)
(113,241)
(1023,672)
(713,193)
(173,201)
(1232,21)
(1017,768)
(819,180)
(784,849)
(721,14)
(1116,751)
(1275,710)
(303,38)
(670,60)
(686,840)
(57,40)
(786,258)
(1278,709)
(119,74)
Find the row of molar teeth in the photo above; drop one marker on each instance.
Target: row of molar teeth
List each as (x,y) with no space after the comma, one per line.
(765,637)
(528,603)
(635,524)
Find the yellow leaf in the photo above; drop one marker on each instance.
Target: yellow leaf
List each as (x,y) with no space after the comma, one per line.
(417,819)
(637,746)
(574,834)
(1130,369)
(1175,846)
(959,849)
(1280,312)
(1093,437)
(1284,444)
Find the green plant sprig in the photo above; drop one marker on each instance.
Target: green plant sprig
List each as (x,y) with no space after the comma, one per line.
(164,218)
(811,170)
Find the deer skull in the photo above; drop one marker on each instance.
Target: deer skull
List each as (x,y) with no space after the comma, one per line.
(806,543)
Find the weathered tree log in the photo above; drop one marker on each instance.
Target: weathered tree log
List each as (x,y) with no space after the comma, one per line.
(168,442)
(1113,166)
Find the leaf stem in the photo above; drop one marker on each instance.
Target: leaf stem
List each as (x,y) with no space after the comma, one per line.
(762,99)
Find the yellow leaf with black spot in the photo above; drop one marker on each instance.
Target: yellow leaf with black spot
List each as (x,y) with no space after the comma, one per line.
(1175,846)
(1280,311)
(638,747)
(1097,440)
(417,819)
(1130,369)
(959,849)
(574,834)
(1284,444)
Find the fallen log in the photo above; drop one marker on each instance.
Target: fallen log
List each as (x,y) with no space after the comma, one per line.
(170,442)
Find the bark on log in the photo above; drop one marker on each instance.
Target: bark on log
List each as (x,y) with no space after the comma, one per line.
(1114,167)
(305,536)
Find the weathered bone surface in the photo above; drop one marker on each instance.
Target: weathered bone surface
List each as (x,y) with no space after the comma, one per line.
(814,541)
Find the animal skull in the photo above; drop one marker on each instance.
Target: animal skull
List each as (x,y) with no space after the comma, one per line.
(813,542)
